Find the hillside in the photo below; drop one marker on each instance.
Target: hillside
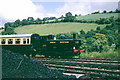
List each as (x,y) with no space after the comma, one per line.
(97,16)
(55,28)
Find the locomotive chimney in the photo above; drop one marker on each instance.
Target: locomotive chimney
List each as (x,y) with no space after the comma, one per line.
(74,35)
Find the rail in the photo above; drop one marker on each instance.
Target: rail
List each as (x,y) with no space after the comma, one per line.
(94,67)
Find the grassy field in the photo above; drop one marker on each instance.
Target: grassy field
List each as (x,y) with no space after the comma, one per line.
(97,16)
(55,28)
(110,54)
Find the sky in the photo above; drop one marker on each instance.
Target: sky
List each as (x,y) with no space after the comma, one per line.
(11,10)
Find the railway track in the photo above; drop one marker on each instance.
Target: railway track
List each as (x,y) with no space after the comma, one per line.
(103,68)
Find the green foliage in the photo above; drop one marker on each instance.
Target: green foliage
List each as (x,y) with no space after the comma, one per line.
(97,12)
(69,17)
(104,11)
(98,28)
(82,32)
(90,33)
(117,11)
(83,44)
(99,43)
(64,36)
(8,31)
(69,14)
(30,20)
(110,54)
(24,22)
(8,24)
(38,21)
(17,23)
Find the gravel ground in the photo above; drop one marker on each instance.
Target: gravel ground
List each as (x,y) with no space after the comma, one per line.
(15,65)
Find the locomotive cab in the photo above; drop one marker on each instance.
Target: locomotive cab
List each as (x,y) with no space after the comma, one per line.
(35,40)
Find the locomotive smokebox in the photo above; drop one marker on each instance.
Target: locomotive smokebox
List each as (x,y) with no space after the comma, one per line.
(74,35)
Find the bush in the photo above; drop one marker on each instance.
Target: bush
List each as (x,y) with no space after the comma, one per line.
(9,30)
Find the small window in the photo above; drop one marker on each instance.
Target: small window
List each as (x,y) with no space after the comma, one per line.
(27,41)
(10,41)
(17,41)
(3,41)
(24,41)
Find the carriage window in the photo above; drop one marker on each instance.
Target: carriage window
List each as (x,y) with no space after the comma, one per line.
(17,41)
(10,41)
(28,41)
(3,41)
(24,41)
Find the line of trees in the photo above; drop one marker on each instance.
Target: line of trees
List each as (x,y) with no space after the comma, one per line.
(98,12)
(68,18)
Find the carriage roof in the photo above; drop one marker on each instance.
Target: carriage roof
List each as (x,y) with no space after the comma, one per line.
(20,35)
(15,35)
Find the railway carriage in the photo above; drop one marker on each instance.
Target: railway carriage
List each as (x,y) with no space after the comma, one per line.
(21,43)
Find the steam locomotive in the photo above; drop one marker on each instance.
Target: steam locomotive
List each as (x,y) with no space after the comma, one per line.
(46,45)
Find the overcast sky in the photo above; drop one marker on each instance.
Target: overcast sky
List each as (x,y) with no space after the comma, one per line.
(11,10)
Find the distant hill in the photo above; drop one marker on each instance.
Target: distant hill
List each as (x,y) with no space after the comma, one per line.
(55,28)
(97,16)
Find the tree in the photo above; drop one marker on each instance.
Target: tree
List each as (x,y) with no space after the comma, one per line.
(97,12)
(38,21)
(83,44)
(98,28)
(99,43)
(8,24)
(56,20)
(69,17)
(90,33)
(17,23)
(45,18)
(76,15)
(104,11)
(79,14)
(117,11)
(82,34)
(30,20)
(110,11)
(69,14)
(64,35)
(24,22)
(9,30)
